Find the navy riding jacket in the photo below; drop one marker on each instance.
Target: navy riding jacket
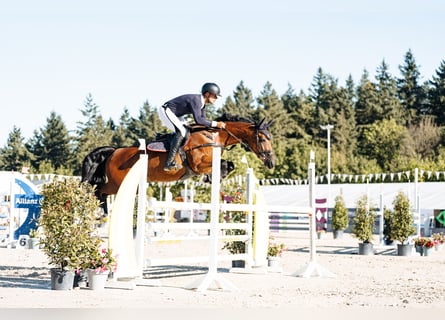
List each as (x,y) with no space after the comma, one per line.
(189,104)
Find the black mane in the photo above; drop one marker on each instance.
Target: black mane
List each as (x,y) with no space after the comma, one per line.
(234,118)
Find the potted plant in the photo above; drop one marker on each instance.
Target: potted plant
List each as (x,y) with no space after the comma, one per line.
(402,224)
(387,216)
(424,245)
(100,263)
(439,239)
(237,246)
(340,220)
(274,252)
(33,239)
(364,226)
(67,222)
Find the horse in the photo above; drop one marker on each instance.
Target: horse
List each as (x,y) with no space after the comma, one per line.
(106,167)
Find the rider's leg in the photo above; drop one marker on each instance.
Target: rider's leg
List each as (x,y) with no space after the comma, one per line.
(170,164)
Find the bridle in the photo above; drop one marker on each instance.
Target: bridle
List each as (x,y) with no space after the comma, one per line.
(261,154)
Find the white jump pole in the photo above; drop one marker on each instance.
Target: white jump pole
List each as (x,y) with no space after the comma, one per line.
(312,267)
(212,276)
(142,208)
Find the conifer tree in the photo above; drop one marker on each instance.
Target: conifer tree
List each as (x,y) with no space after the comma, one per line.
(387,95)
(51,144)
(436,95)
(299,110)
(122,134)
(92,133)
(411,93)
(14,155)
(146,125)
(367,107)
(242,104)
(271,107)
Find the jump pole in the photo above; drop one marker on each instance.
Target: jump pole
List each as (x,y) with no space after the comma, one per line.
(142,208)
(312,267)
(212,276)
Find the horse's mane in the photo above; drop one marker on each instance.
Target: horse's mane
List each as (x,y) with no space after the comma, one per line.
(233,118)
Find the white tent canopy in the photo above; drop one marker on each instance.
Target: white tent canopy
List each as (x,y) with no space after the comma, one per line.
(431,195)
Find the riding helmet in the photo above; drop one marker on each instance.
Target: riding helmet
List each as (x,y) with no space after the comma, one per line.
(212,88)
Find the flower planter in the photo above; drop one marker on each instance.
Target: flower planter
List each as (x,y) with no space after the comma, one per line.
(338,234)
(427,251)
(97,281)
(273,262)
(419,249)
(61,279)
(404,250)
(238,264)
(33,243)
(366,249)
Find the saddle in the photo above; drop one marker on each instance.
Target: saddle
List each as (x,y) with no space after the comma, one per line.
(162,140)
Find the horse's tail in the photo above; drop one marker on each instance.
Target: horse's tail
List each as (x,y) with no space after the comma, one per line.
(93,165)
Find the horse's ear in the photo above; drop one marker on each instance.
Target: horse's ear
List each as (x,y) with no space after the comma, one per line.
(269,124)
(260,125)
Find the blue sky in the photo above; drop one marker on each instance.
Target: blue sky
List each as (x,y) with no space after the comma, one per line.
(53,53)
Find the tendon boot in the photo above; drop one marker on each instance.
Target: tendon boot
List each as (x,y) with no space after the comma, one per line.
(174,147)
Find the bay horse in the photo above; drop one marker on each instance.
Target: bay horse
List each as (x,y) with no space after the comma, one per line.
(106,167)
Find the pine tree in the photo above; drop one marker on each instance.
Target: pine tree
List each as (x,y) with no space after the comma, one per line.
(271,107)
(299,110)
(242,104)
(319,91)
(411,93)
(14,155)
(367,107)
(51,144)
(92,133)
(122,135)
(146,125)
(387,95)
(436,95)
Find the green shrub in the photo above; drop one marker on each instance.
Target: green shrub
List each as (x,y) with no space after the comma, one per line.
(364,221)
(340,220)
(402,221)
(67,221)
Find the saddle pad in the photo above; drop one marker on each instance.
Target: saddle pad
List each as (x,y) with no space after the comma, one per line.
(158,146)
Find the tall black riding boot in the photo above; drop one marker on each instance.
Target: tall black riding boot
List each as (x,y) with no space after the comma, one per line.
(174,147)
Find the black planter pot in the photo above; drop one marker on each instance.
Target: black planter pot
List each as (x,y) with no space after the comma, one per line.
(365,249)
(238,263)
(61,279)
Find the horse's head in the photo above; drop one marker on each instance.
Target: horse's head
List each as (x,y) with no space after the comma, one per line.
(253,136)
(262,146)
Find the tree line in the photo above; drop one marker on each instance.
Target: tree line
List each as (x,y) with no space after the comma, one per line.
(386,123)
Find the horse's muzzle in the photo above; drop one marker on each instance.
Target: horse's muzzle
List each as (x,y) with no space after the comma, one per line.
(268,159)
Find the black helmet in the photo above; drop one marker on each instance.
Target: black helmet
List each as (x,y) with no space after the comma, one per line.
(212,88)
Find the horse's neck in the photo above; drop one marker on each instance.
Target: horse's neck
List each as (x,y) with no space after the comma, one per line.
(235,133)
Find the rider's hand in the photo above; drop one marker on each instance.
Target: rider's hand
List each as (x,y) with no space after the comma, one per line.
(220,125)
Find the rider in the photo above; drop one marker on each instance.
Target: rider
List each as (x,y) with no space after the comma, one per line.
(173,111)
